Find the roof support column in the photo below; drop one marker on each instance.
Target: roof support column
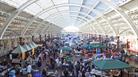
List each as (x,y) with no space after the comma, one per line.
(13,15)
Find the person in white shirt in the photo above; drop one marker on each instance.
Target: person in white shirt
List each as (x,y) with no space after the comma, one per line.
(12,73)
(57,60)
(29,70)
(10,56)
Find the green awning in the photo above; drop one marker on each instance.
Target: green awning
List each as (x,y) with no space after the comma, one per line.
(93,45)
(19,49)
(66,48)
(35,45)
(97,45)
(27,47)
(85,46)
(110,64)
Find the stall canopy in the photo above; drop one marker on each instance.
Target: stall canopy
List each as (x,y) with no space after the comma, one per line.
(110,64)
(27,47)
(97,45)
(85,46)
(93,45)
(35,45)
(31,46)
(19,49)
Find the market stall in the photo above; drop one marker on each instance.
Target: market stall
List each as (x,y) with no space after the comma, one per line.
(111,65)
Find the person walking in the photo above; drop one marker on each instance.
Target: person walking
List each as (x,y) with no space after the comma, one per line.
(29,70)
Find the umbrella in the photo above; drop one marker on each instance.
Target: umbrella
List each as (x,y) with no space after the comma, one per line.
(110,64)
(27,47)
(19,49)
(34,44)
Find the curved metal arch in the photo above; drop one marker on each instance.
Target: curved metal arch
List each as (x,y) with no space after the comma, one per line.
(126,18)
(49,16)
(83,18)
(124,31)
(107,21)
(60,5)
(14,14)
(71,15)
(80,17)
(103,30)
(42,29)
(92,7)
(87,23)
(71,12)
(93,28)
(65,11)
(46,28)
(110,25)
(48,9)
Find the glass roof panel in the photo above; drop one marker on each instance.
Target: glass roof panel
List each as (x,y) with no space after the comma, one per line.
(43,16)
(93,14)
(34,9)
(60,1)
(120,2)
(63,8)
(44,3)
(89,3)
(52,11)
(15,3)
(74,8)
(55,14)
(84,10)
(76,2)
(60,20)
(73,13)
(81,15)
(101,7)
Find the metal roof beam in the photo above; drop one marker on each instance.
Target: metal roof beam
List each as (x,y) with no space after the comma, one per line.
(71,15)
(91,26)
(126,18)
(109,23)
(48,9)
(13,15)
(30,22)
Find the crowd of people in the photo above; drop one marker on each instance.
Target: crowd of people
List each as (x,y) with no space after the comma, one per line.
(51,60)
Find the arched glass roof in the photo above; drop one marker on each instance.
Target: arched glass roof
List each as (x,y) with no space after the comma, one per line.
(76,10)
(34,17)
